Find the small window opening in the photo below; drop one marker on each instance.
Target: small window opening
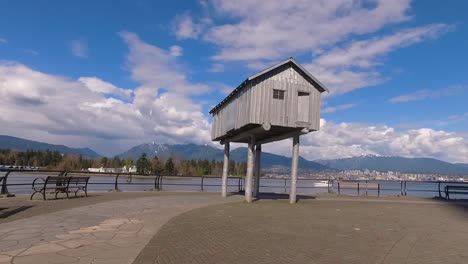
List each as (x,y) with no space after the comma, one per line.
(278,94)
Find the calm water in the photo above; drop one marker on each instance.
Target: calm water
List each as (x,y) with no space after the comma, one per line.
(20,183)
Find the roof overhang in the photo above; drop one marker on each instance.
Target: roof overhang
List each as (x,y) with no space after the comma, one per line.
(317,84)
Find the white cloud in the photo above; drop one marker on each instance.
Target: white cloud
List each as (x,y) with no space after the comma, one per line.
(175,50)
(339,34)
(4,41)
(274,30)
(348,140)
(332,109)
(80,113)
(184,27)
(353,67)
(94,113)
(79,48)
(363,54)
(99,86)
(428,94)
(155,68)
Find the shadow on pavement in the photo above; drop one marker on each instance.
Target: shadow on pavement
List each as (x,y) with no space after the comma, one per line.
(6,212)
(459,204)
(282,196)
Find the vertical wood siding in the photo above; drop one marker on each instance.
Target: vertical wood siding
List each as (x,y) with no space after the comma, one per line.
(255,104)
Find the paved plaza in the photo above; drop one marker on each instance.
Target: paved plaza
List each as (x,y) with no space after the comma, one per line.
(162,227)
(337,230)
(107,232)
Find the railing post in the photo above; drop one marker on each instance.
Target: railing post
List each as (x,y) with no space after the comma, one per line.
(156,183)
(339,191)
(4,191)
(401,188)
(202,179)
(440,194)
(405,189)
(285,188)
(367,189)
(328,186)
(116,183)
(358,191)
(378,189)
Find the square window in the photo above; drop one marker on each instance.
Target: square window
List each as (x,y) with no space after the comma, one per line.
(278,94)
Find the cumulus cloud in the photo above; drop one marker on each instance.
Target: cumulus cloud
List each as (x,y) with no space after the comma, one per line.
(364,53)
(339,140)
(428,94)
(275,29)
(79,48)
(92,112)
(2,40)
(99,86)
(353,67)
(342,36)
(184,26)
(79,113)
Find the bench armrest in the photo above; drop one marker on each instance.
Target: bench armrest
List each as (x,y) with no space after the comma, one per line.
(37,189)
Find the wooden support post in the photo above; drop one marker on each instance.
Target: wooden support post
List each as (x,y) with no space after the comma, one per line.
(258,156)
(250,170)
(225,170)
(294,165)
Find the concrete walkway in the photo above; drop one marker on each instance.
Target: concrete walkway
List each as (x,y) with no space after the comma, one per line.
(108,232)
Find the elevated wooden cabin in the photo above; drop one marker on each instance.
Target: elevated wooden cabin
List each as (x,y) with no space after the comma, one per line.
(280,102)
(283,98)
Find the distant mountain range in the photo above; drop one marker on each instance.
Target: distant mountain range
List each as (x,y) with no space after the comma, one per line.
(462,164)
(192,151)
(8,142)
(400,164)
(269,160)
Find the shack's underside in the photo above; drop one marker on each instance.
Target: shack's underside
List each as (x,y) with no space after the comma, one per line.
(275,133)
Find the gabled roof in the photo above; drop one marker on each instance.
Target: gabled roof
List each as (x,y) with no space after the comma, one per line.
(317,84)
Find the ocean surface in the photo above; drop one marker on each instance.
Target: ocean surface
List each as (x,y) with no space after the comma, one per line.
(21,183)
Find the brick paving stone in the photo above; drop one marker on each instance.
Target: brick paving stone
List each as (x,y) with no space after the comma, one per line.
(332,230)
(108,232)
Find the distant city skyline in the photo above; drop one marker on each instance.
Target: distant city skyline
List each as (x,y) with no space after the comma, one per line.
(112,75)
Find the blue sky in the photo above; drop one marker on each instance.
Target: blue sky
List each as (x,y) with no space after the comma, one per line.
(112,74)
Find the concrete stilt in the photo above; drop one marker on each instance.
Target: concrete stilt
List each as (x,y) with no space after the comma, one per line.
(294,165)
(258,156)
(250,170)
(225,170)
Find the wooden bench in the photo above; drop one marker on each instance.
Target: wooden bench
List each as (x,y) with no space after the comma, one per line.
(455,189)
(60,184)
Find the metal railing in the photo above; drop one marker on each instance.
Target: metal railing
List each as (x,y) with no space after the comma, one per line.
(358,187)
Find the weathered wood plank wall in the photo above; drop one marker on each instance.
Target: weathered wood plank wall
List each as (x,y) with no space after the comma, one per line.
(255,104)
